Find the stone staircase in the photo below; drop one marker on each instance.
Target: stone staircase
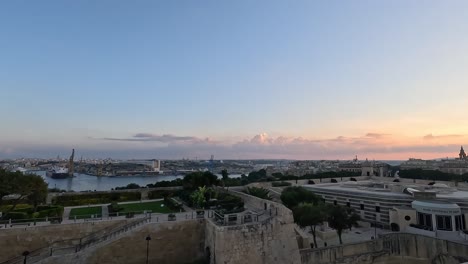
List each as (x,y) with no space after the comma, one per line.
(98,238)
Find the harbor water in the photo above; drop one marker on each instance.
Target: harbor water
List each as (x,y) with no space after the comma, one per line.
(84,182)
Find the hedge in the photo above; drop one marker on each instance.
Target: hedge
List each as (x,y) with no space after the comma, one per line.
(96,198)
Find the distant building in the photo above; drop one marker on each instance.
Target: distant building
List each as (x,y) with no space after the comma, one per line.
(454,166)
(366,168)
(418,164)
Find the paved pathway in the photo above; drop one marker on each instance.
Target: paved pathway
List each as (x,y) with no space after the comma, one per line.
(66,212)
(105,211)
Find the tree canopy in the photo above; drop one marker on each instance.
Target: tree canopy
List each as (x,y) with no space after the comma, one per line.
(198,179)
(28,187)
(293,196)
(341,218)
(307,214)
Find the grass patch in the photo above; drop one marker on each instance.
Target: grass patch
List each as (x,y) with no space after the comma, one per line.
(155,207)
(85,212)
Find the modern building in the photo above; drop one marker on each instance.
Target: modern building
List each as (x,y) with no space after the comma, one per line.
(434,210)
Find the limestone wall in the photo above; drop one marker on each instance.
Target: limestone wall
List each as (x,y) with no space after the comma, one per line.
(390,248)
(14,241)
(267,242)
(270,241)
(171,243)
(274,209)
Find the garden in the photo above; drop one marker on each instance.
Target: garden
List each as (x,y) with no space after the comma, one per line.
(28,212)
(85,212)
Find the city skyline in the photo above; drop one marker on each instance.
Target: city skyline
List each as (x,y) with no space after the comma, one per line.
(263,79)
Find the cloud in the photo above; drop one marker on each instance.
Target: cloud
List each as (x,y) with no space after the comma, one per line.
(376,135)
(260,146)
(432,137)
(146,137)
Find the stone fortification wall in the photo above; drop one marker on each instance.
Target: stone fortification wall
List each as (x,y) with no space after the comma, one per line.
(171,243)
(14,241)
(390,248)
(272,240)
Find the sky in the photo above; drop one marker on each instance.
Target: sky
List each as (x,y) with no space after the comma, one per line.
(234,79)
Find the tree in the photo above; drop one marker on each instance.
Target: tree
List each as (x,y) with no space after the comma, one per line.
(293,196)
(198,179)
(38,191)
(225,174)
(341,218)
(307,214)
(23,186)
(198,197)
(7,183)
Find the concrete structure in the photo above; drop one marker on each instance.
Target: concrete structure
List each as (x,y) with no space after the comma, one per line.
(396,206)
(395,248)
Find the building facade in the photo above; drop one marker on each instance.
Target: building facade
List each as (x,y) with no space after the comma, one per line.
(401,207)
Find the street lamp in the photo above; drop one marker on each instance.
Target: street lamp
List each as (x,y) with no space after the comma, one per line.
(148,238)
(25,255)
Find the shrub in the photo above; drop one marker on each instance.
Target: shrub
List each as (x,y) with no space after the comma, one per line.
(16,215)
(114,207)
(261,193)
(96,198)
(172,204)
(158,194)
(49,211)
(281,183)
(229,203)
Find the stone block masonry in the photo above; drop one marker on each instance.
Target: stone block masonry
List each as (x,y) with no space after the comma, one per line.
(13,242)
(391,248)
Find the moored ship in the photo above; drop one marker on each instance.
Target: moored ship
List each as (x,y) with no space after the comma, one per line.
(57,173)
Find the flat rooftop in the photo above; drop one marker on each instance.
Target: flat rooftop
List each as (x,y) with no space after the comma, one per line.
(389,189)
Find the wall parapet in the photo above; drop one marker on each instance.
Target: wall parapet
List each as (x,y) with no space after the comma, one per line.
(388,245)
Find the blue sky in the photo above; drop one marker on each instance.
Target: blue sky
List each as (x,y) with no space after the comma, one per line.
(238,79)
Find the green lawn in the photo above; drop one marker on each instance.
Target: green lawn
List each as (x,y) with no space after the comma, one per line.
(85,212)
(155,207)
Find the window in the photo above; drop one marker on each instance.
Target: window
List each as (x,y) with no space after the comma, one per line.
(407,218)
(444,222)
(348,204)
(362,206)
(463,227)
(335,202)
(425,220)
(458,223)
(377,209)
